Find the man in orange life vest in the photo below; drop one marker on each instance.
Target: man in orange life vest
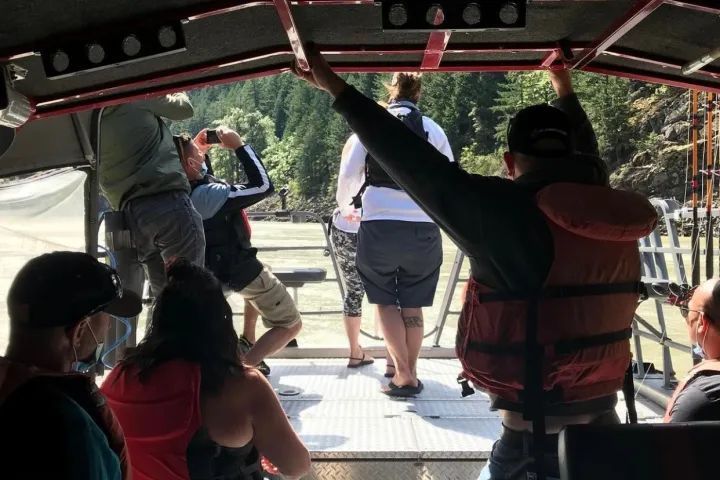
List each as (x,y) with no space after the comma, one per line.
(697,398)
(553,248)
(54,422)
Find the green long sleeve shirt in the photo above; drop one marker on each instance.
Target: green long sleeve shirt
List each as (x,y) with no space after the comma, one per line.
(137,153)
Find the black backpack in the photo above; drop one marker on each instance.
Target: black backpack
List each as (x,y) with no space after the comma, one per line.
(374,173)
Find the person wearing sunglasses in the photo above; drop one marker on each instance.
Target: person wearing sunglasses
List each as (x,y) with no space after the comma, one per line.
(53,420)
(697,397)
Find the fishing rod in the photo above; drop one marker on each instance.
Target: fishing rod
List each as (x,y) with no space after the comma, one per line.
(694,183)
(709,183)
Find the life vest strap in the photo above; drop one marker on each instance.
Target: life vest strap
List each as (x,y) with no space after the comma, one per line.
(566,291)
(560,348)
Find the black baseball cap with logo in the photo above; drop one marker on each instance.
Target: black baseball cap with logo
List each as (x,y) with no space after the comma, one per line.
(541,131)
(60,289)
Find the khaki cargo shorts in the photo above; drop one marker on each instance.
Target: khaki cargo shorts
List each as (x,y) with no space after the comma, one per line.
(270,297)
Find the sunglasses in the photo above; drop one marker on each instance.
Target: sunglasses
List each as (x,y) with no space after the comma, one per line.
(685,311)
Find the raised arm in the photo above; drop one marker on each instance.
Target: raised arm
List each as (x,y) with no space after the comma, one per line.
(273,435)
(569,103)
(444,191)
(258,185)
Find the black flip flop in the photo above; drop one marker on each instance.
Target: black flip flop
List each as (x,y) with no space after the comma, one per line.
(402,391)
(361,363)
(388,374)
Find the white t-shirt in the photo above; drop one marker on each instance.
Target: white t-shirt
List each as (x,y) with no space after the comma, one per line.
(381,203)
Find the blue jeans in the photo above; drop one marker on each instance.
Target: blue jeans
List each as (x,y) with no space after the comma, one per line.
(511,453)
(163,227)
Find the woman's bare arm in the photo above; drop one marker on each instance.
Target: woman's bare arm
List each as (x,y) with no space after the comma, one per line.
(274,437)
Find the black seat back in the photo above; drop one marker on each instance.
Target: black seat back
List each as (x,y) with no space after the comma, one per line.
(643,451)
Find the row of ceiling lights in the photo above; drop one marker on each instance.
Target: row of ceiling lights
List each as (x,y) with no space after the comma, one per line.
(472,14)
(98,52)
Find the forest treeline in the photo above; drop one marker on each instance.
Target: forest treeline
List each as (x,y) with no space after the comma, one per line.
(639,126)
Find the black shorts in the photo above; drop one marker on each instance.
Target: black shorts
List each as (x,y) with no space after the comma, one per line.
(399,262)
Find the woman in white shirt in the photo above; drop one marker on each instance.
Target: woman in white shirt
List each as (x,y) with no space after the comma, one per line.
(399,251)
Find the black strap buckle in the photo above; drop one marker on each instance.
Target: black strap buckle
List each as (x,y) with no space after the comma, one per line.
(467,390)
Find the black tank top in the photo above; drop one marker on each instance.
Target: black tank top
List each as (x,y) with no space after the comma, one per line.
(207,460)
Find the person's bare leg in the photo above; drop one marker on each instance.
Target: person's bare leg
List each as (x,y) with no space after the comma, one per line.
(352,328)
(270,342)
(413,320)
(389,365)
(250,316)
(395,339)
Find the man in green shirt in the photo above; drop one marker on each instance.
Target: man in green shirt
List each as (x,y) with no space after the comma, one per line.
(140,174)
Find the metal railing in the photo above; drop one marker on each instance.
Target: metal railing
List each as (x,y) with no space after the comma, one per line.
(655,271)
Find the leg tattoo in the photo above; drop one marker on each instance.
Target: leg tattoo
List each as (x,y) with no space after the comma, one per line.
(413,322)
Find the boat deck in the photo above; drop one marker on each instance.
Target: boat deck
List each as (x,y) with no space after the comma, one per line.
(354,431)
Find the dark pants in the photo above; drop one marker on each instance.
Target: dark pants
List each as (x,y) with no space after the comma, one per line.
(510,455)
(399,262)
(163,227)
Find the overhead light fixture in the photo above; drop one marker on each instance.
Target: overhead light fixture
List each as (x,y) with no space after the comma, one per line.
(131,45)
(167,37)
(60,61)
(132,42)
(95,53)
(692,67)
(453,15)
(435,15)
(398,14)
(509,13)
(472,14)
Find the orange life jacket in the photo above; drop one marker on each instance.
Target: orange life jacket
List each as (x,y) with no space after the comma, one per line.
(702,367)
(80,388)
(582,316)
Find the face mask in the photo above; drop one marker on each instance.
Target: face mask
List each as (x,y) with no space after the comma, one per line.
(203,169)
(87,364)
(697,348)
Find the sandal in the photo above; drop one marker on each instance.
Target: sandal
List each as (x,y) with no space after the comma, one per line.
(389,374)
(393,390)
(361,363)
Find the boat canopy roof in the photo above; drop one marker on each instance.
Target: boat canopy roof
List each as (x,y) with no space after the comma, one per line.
(75,55)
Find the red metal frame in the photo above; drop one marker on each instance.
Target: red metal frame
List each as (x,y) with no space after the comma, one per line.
(435,56)
(704,7)
(634,74)
(91,100)
(156,91)
(209,68)
(663,62)
(296,43)
(641,10)
(550,58)
(434,51)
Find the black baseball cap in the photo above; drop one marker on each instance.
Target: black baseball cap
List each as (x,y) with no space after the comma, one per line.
(61,288)
(541,131)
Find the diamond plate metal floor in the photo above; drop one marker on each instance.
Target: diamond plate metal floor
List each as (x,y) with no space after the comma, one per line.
(342,415)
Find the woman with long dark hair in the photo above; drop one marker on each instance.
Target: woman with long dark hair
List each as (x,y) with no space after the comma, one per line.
(189,409)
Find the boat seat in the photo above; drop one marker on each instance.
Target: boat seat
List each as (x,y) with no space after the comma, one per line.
(654,451)
(297,277)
